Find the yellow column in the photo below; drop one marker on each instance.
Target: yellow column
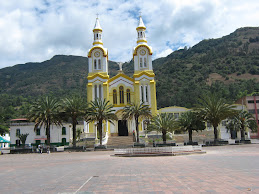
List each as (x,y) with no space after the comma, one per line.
(136,92)
(89,92)
(105,91)
(153,97)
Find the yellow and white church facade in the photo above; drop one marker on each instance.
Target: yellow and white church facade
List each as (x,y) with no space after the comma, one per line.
(121,90)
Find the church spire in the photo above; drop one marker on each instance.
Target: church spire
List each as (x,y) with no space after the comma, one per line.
(141,32)
(97,33)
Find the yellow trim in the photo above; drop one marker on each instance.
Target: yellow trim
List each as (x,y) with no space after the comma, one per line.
(141,45)
(120,75)
(97,75)
(141,41)
(149,74)
(97,43)
(97,29)
(97,47)
(141,27)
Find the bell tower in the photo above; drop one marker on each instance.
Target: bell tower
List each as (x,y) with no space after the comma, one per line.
(144,82)
(97,86)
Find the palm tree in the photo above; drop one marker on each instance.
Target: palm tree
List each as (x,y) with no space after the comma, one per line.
(213,109)
(162,122)
(99,111)
(45,112)
(74,108)
(190,121)
(136,111)
(241,121)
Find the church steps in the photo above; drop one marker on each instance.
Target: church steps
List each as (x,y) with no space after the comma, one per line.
(120,141)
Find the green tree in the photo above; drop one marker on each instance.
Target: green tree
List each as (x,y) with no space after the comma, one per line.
(190,121)
(213,109)
(23,138)
(74,108)
(99,111)
(162,122)
(45,112)
(136,111)
(241,122)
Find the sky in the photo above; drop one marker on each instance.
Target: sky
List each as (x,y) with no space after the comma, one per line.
(36,30)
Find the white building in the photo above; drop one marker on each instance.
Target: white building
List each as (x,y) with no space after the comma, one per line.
(59,135)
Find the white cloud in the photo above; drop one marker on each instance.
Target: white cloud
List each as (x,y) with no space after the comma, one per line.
(164,53)
(36,30)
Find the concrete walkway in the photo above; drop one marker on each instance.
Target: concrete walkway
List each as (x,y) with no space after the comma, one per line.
(224,169)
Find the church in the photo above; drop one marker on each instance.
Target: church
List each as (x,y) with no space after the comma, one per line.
(121,90)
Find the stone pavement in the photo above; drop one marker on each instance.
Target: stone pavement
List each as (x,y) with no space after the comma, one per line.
(224,169)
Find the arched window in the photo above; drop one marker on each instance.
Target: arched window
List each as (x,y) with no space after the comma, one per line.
(114,97)
(95,65)
(64,131)
(100,36)
(100,91)
(141,34)
(97,36)
(121,95)
(140,62)
(95,92)
(142,93)
(128,96)
(145,62)
(18,132)
(99,63)
(146,93)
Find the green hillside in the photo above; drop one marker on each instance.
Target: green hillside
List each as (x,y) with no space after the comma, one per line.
(228,65)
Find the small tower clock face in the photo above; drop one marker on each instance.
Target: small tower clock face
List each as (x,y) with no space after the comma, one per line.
(142,52)
(97,54)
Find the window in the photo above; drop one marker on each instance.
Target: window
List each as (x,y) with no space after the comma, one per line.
(38,131)
(95,92)
(142,93)
(145,62)
(176,115)
(140,33)
(97,36)
(252,111)
(140,62)
(146,87)
(100,36)
(18,132)
(114,97)
(121,95)
(64,132)
(128,96)
(250,101)
(95,65)
(99,63)
(100,91)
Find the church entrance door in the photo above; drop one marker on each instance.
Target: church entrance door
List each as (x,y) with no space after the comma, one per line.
(122,128)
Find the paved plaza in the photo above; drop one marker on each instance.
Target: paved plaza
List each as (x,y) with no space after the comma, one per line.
(224,169)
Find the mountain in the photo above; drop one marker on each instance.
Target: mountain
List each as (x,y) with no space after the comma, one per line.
(227,65)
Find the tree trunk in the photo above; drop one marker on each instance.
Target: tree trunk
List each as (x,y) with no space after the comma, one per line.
(190,135)
(100,126)
(164,136)
(242,134)
(215,133)
(136,121)
(48,133)
(74,132)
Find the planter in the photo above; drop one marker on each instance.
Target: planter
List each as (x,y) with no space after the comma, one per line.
(139,145)
(191,143)
(164,144)
(100,147)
